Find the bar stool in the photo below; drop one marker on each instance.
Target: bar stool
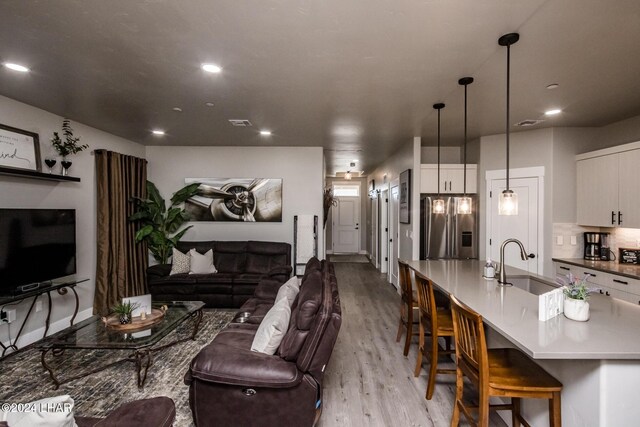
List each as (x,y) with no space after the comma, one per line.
(434,323)
(407,304)
(505,372)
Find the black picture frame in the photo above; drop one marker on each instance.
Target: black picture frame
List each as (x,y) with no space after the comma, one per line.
(19,149)
(405,197)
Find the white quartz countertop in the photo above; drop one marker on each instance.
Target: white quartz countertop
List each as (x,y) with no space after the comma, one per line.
(612,332)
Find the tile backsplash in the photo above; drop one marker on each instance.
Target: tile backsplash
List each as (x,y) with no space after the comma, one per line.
(618,238)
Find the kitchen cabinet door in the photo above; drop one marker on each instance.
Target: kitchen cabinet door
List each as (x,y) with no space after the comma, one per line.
(451,178)
(597,191)
(629,189)
(429,179)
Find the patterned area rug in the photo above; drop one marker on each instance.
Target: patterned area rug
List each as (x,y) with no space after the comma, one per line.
(360,259)
(23,379)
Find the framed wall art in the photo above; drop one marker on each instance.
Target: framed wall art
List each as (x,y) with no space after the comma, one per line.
(405,197)
(236,199)
(19,149)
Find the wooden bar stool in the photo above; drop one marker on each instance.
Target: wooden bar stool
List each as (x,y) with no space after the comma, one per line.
(407,304)
(434,323)
(505,372)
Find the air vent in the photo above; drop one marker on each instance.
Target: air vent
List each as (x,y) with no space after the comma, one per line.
(527,123)
(240,123)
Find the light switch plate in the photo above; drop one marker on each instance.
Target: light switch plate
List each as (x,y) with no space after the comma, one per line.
(574,241)
(550,304)
(559,240)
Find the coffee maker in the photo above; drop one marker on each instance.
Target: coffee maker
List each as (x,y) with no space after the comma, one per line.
(596,246)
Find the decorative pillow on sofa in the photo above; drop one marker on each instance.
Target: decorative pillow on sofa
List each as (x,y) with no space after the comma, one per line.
(50,412)
(272,328)
(288,290)
(181,262)
(202,264)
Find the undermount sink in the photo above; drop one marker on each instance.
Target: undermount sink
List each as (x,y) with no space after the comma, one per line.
(533,285)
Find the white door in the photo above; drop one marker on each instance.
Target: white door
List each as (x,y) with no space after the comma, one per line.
(374,231)
(393,236)
(524,226)
(346,225)
(384,231)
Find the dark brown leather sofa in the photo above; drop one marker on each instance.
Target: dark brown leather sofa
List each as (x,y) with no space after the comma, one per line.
(240,265)
(231,385)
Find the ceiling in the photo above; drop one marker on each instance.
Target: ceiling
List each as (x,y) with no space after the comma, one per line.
(357,77)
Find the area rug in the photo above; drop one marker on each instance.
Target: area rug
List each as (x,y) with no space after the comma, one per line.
(360,259)
(23,379)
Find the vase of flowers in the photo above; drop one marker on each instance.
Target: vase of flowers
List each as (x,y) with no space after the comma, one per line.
(67,146)
(576,296)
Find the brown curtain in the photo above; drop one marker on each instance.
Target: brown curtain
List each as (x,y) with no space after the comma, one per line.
(121,263)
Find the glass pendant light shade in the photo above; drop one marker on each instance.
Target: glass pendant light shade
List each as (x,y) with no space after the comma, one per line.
(438,206)
(508,203)
(464,205)
(347,175)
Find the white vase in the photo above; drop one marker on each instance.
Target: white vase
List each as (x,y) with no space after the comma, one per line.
(576,309)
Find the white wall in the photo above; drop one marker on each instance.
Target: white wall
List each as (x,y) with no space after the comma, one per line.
(301,170)
(447,155)
(407,157)
(31,193)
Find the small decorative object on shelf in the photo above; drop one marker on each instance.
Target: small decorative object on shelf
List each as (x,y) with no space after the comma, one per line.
(576,296)
(70,145)
(123,311)
(50,162)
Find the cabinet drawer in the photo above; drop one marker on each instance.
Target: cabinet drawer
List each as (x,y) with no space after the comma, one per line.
(624,284)
(562,269)
(625,296)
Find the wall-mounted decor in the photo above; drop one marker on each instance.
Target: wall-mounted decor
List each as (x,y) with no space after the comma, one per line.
(405,197)
(19,148)
(236,199)
(372,188)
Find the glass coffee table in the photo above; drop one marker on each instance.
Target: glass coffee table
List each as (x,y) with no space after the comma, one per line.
(92,334)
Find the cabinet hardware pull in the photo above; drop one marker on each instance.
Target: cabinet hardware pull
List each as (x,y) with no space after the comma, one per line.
(600,291)
(613,217)
(590,274)
(621,281)
(619,218)
(607,293)
(565,268)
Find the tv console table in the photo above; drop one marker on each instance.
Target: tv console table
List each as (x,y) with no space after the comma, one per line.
(62,288)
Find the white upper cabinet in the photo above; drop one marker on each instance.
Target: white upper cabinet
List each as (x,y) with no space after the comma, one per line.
(608,185)
(451,178)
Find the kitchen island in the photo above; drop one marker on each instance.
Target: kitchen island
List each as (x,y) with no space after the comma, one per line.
(597,361)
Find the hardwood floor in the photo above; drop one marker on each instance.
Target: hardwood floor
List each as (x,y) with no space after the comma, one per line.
(368,381)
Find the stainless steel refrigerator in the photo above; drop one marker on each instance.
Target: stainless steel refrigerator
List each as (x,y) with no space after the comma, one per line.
(448,235)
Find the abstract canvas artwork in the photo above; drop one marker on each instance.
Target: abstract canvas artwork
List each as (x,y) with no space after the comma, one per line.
(236,199)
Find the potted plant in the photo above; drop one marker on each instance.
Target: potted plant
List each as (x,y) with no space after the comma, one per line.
(160,224)
(328,200)
(576,296)
(124,310)
(67,146)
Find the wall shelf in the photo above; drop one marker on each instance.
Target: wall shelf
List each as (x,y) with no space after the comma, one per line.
(24,173)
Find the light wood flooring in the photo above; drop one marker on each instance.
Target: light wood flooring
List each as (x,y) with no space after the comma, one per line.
(368,381)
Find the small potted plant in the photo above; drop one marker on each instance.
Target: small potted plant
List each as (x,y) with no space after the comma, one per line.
(124,310)
(67,146)
(576,296)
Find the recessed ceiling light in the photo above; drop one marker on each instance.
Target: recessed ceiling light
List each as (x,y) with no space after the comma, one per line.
(265,132)
(553,86)
(354,160)
(209,104)
(16,67)
(211,68)
(553,112)
(177,109)
(157,132)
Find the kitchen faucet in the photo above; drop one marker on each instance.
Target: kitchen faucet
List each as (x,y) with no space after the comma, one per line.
(502,276)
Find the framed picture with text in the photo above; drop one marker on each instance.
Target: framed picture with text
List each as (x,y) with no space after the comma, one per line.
(19,149)
(405,197)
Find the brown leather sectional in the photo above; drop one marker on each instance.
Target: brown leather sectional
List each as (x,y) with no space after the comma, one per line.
(231,385)
(240,265)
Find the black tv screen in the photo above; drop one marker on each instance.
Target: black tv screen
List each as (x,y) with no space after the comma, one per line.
(36,246)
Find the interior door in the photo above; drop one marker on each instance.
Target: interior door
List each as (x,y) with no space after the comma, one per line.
(346,225)
(374,231)
(393,235)
(523,226)
(384,231)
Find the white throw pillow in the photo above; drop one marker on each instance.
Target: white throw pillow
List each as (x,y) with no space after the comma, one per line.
(202,264)
(272,328)
(50,412)
(181,262)
(289,291)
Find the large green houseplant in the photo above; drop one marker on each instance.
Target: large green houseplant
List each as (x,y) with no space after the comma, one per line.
(160,224)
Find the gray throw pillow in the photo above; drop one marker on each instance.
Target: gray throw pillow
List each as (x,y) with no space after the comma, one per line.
(181,262)
(202,264)
(272,328)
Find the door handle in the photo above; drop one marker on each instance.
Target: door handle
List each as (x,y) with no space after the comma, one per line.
(532,256)
(357,228)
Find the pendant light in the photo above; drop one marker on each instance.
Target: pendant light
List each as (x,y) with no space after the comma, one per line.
(465,203)
(508,201)
(347,175)
(438,203)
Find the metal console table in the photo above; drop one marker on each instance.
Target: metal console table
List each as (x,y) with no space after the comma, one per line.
(62,288)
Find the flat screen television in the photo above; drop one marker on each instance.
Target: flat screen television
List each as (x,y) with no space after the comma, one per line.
(36,247)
